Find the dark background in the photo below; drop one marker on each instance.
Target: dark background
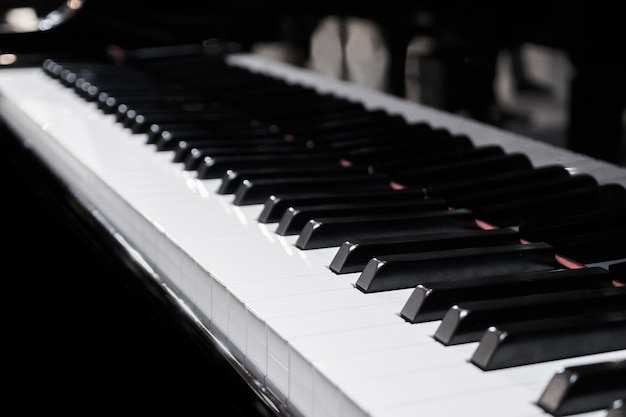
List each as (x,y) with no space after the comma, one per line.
(468,34)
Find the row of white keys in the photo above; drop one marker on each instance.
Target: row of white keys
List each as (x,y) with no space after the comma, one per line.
(178,223)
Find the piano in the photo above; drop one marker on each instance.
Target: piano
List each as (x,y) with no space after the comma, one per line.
(317,235)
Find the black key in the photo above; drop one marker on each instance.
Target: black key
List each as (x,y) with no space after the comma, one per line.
(328,232)
(515,212)
(154,130)
(311,103)
(358,120)
(442,154)
(120,107)
(467,321)
(257,191)
(392,272)
(398,130)
(511,192)
(180,108)
(116,100)
(276,205)
(524,176)
(207,151)
(432,300)
(139,121)
(356,139)
(595,236)
(171,97)
(246,89)
(251,148)
(177,132)
(524,343)
(311,108)
(353,255)
(593,247)
(391,154)
(167,142)
(476,168)
(216,167)
(348,119)
(184,147)
(565,225)
(296,217)
(171,135)
(232,179)
(584,388)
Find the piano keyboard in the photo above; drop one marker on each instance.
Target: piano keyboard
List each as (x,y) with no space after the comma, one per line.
(327,318)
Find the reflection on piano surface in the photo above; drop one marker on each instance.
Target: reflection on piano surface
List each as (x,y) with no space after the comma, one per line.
(354,254)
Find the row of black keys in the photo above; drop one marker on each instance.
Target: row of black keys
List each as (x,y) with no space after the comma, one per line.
(501,189)
(325,169)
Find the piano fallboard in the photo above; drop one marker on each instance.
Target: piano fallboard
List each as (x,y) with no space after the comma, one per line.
(312,342)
